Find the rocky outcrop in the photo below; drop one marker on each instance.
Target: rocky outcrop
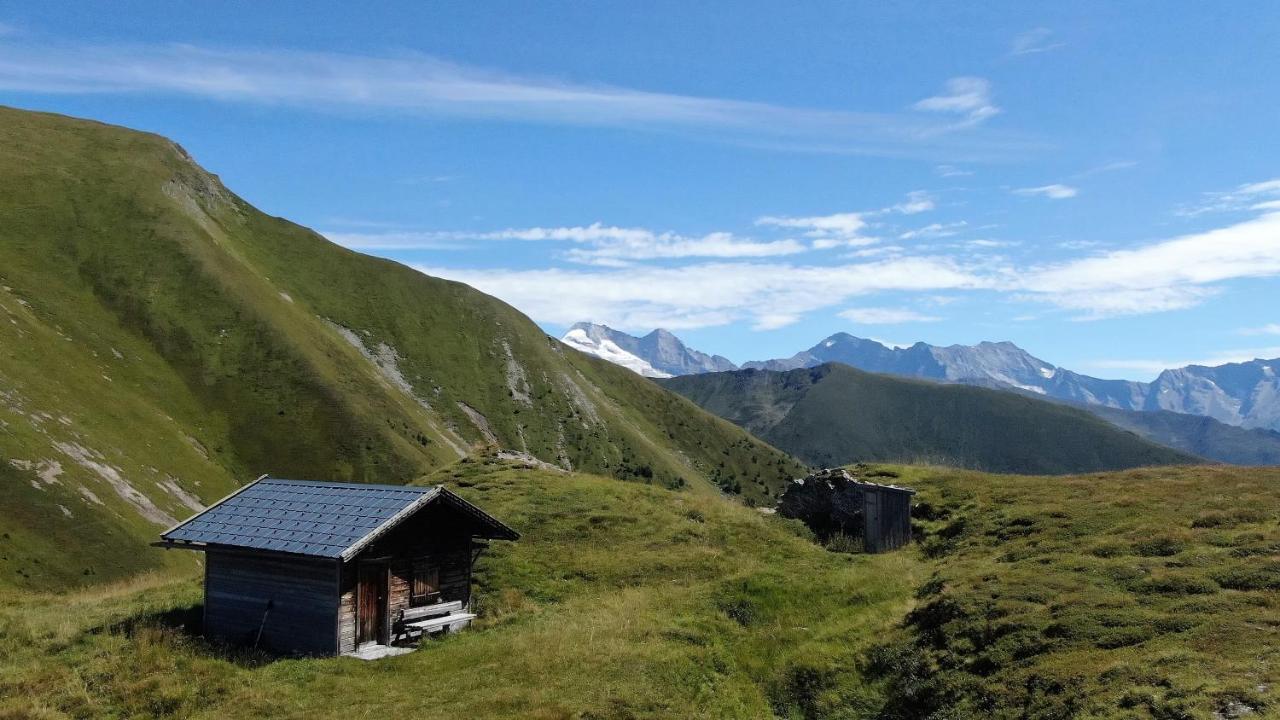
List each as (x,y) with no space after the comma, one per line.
(828,501)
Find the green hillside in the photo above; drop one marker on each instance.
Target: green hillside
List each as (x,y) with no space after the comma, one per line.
(1198,435)
(833,415)
(1142,595)
(161,341)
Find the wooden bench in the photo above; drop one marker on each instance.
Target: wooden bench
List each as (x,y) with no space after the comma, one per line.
(442,622)
(414,621)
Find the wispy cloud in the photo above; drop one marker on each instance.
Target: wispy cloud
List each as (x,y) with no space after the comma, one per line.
(606,244)
(1053,192)
(917,201)
(418,84)
(885,316)
(1035,40)
(846,229)
(934,230)
(1168,275)
(947,171)
(1264,195)
(826,231)
(1108,167)
(1268,329)
(768,295)
(969,97)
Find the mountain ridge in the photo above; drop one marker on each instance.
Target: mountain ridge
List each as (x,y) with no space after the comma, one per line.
(658,354)
(1242,394)
(833,414)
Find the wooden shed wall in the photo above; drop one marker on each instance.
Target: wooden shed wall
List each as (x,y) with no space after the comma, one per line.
(887,517)
(302,617)
(437,534)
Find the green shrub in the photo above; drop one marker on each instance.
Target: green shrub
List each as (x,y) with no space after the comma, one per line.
(1180,584)
(1248,577)
(1165,546)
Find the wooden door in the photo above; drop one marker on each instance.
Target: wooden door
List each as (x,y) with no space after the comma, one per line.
(871,518)
(371,605)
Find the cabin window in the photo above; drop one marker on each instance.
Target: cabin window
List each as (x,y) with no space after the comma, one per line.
(426,584)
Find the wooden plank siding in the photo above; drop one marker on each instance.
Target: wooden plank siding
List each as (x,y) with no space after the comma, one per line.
(887,518)
(435,535)
(290,600)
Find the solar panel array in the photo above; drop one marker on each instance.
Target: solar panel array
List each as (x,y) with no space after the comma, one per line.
(294,516)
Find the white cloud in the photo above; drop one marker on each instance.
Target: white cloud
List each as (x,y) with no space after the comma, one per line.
(917,201)
(1268,329)
(1053,192)
(885,316)
(989,244)
(416,84)
(967,96)
(768,295)
(951,171)
(1168,275)
(826,231)
(1256,196)
(934,230)
(606,244)
(1036,40)
(846,229)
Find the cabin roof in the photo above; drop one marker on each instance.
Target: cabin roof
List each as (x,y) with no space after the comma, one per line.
(318,519)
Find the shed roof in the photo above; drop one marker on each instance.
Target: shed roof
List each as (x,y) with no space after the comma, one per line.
(318,519)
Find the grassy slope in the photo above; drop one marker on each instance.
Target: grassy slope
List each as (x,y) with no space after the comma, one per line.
(1146,594)
(621,600)
(834,414)
(1199,435)
(162,341)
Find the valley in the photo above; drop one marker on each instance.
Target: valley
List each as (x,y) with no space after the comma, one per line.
(1145,593)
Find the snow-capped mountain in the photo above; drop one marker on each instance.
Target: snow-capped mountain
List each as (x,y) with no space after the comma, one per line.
(589,339)
(1244,394)
(658,354)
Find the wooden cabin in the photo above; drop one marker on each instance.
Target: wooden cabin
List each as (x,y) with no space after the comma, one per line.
(324,568)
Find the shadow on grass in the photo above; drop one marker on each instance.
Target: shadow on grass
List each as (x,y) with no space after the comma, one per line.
(184,626)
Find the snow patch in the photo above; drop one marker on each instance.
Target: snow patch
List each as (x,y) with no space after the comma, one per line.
(606,349)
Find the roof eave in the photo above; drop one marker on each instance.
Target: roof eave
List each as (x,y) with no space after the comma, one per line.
(355,548)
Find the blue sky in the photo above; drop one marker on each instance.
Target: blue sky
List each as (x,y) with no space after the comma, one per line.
(1097,182)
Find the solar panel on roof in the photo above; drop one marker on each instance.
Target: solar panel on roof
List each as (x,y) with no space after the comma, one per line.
(309,518)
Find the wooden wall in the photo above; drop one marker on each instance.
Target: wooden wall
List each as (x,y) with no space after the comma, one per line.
(302,617)
(436,534)
(887,517)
